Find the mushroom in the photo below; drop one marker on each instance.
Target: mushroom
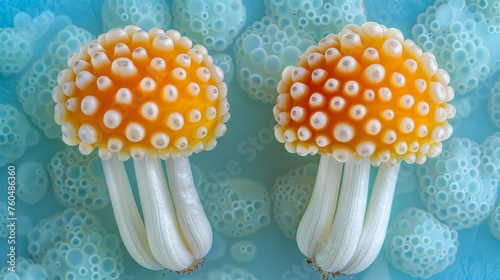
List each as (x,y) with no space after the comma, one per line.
(362,96)
(150,96)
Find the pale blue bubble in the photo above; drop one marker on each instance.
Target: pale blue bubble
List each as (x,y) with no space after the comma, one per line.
(290,195)
(220,20)
(73,244)
(456,181)
(78,180)
(261,54)
(145,14)
(419,245)
(32,183)
(16,134)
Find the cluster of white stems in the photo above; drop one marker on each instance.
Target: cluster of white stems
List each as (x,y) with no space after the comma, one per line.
(175,233)
(337,230)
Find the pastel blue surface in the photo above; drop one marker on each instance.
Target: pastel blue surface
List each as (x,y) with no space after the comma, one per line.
(254,192)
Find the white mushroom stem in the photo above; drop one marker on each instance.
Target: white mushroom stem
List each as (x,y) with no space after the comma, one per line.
(347,225)
(128,219)
(318,217)
(193,222)
(376,219)
(164,235)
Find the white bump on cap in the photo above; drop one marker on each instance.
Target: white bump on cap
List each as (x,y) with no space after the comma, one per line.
(440,114)
(179,74)
(137,153)
(331,86)
(322,141)
(88,134)
(124,96)
(406,101)
(337,103)
(121,50)
(211,112)
(181,142)
(283,118)
(160,140)
(104,83)
(68,88)
(299,74)
(401,147)
(423,108)
(147,85)
(115,145)
(374,73)
(347,65)
(422,130)
(370,54)
(392,47)
(150,110)
(343,132)
(79,66)
(304,133)
(438,134)
(193,89)
(318,76)
(437,92)
(84,79)
(406,125)
(89,105)
(366,148)
(373,127)
(357,112)
(72,104)
(201,132)
(411,65)
(389,136)
(175,121)
(211,93)
(99,60)
(368,95)
(351,88)
(112,119)
(316,100)
(157,64)
(183,60)
(170,93)
(387,114)
(135,132)
(203,74)
(123,68)
(163,43)
(319,120)
(398,80)
(194,115)
(384,94)
(290,135)
(298,114)
(68,130)
(421,85)
(299,90)
(428,63)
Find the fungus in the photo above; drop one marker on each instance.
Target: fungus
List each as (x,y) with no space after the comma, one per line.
(149,96)
(364,95)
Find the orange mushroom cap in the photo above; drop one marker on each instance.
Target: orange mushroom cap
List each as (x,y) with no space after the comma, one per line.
(141,93)
(365,92)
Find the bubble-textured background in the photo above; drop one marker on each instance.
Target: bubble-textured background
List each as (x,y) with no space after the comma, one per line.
(253,190)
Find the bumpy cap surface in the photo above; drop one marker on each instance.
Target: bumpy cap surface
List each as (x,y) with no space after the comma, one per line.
(139,93)
(365,92)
